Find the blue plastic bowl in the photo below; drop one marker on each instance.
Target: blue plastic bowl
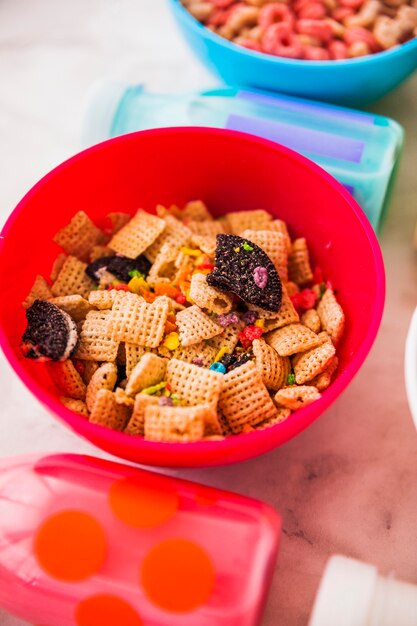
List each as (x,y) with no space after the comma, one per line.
(352,82)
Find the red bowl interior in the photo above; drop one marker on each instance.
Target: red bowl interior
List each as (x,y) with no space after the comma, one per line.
(229,171)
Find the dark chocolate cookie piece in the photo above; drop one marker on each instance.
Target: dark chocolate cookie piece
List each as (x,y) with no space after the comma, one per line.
(120,266)
(51,334)
(243,268)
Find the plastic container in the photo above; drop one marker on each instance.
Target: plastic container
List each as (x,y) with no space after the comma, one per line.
(87,542)
(361,150)
(352,82)
(227,170)
(410,367)
(352,593)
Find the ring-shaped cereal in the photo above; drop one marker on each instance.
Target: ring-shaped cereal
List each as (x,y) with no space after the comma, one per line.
(280,40)
(274,13)
(316,28)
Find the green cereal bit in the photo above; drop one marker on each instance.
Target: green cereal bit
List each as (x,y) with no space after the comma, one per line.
(291,379)
(247,247)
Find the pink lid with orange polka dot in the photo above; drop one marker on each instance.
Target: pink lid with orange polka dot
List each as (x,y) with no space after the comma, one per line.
(87,542)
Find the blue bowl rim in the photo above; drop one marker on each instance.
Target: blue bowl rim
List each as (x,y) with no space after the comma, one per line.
(369,59)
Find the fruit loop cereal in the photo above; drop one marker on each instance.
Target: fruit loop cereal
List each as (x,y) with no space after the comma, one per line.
(178,327)
(315,30)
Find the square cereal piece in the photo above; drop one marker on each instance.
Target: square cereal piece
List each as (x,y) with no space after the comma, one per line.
(299,269)
(228,339)
(76,306)
(137,235)
(205,244)
(284,316)
(207,297)
(105,377)
(108,413)
(79,236)
(136,424)
(78,406)
(121,397)
(103,298)
(208,228)
(196,211)
(199,354)
(331,316)
(292,339)
(164,268)
(118,219)
(96,342)
(40,291)
(87,369)
(98,252)
(72,279)
(133,356)
(57,265)
(149,371)
(175,234)
(280,226)
(67,379)
(238,221)
(323,380)
(274,369)
(296,397)
(194,326)
(282,415)
(275,245)
(135,321)
(310,364)
(193,384)
(175,424)
(311,319)
(245,399)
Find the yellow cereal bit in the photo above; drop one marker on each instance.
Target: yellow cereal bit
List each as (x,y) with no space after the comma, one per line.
(190,252)
(79,236)
(40,291)
(296,397)
(310,364)
(67,379)
(149,371)
(137,284)
(176,424)
(108,413)
(78,406)
(260,323)
(292,339)
(136,423)
(220,354)
(331,316)
(194,326)
(137,235)
(273,368)
(72,279)
(299,269)
(238,221)
(104,378)
(193,384)
(274,244)
(172,341)
(244,398)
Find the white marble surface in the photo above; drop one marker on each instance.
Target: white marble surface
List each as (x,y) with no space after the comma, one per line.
(349,483)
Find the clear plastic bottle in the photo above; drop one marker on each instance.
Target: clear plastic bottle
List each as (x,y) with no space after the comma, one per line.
(360,149)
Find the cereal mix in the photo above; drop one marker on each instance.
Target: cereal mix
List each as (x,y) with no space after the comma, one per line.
(312,30)
(179,327)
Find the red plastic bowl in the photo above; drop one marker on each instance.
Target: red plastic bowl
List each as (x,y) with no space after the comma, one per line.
(229,171)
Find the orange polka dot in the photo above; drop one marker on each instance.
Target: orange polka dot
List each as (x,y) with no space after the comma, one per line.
(70,546)
(106,610)
(178,575)
(143,502)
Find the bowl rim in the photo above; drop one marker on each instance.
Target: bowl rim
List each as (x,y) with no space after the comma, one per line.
(410,366)
(369,59)
(301,419)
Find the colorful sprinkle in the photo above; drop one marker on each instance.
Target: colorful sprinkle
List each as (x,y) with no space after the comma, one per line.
(260,276)
(218,367)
